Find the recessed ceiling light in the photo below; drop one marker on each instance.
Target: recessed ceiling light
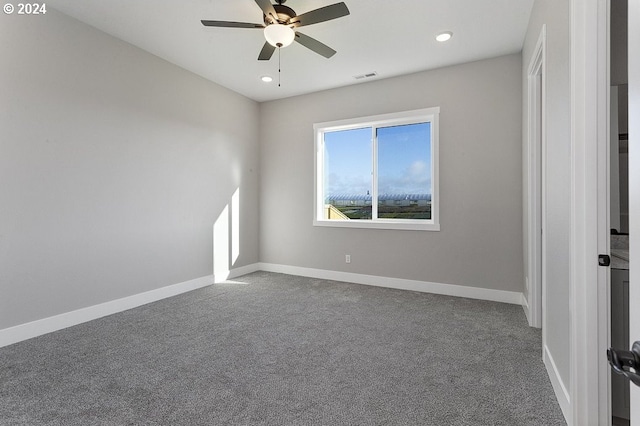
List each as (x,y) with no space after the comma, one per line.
(444,36)
(266,79)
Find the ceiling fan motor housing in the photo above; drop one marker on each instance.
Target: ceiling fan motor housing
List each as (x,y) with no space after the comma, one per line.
(284,14)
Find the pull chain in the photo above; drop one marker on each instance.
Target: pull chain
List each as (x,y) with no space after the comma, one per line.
(279,48)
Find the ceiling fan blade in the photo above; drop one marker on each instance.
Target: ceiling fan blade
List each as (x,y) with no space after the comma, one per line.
(315,45)
(267,9)
(230,24)
(266,52)
(323,14)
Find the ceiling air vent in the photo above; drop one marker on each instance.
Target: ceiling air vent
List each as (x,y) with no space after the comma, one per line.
(367,75)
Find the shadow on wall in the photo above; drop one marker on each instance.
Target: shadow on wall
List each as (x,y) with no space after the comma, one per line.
(226,239)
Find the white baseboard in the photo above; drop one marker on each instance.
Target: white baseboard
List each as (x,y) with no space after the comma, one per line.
(562,394)
(36,328)
(511,297)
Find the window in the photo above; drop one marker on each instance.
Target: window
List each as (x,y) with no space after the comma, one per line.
(378,172)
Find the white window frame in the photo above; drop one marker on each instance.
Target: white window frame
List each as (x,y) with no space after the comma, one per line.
(424,115)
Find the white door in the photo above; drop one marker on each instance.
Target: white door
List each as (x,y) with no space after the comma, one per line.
(634,191)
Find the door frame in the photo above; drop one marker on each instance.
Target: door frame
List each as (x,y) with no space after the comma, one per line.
(589,204)
(535,184)
(634,190)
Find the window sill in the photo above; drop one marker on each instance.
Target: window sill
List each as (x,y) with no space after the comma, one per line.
(405,225)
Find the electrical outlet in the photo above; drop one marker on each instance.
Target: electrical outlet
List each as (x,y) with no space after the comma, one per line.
(347,258)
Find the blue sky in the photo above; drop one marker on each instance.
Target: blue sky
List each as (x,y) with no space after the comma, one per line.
(404,160)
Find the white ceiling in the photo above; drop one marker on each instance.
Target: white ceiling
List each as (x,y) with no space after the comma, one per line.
(392,38)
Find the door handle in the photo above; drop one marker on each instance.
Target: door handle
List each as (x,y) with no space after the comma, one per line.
(626,363)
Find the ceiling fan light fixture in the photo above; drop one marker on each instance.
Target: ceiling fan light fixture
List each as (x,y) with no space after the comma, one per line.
(444,36)
(279,35)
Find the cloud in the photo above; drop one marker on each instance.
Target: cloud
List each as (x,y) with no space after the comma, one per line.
(418,171)
(354,184)
(414,179)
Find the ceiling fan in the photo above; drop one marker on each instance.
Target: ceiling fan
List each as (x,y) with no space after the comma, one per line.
(281,22)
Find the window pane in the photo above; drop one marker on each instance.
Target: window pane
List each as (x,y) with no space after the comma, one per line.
(347,174)
(404,171)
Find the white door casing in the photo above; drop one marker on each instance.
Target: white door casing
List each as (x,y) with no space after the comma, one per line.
(535,179)
(634,190)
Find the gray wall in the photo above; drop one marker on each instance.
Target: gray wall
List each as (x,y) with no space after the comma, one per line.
(114,165)
(480,242)
(555,14)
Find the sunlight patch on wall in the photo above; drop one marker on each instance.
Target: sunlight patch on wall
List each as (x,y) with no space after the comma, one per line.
(235,226)
(221,246)
(226,239)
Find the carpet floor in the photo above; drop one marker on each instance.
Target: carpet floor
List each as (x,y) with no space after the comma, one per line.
(274,349)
